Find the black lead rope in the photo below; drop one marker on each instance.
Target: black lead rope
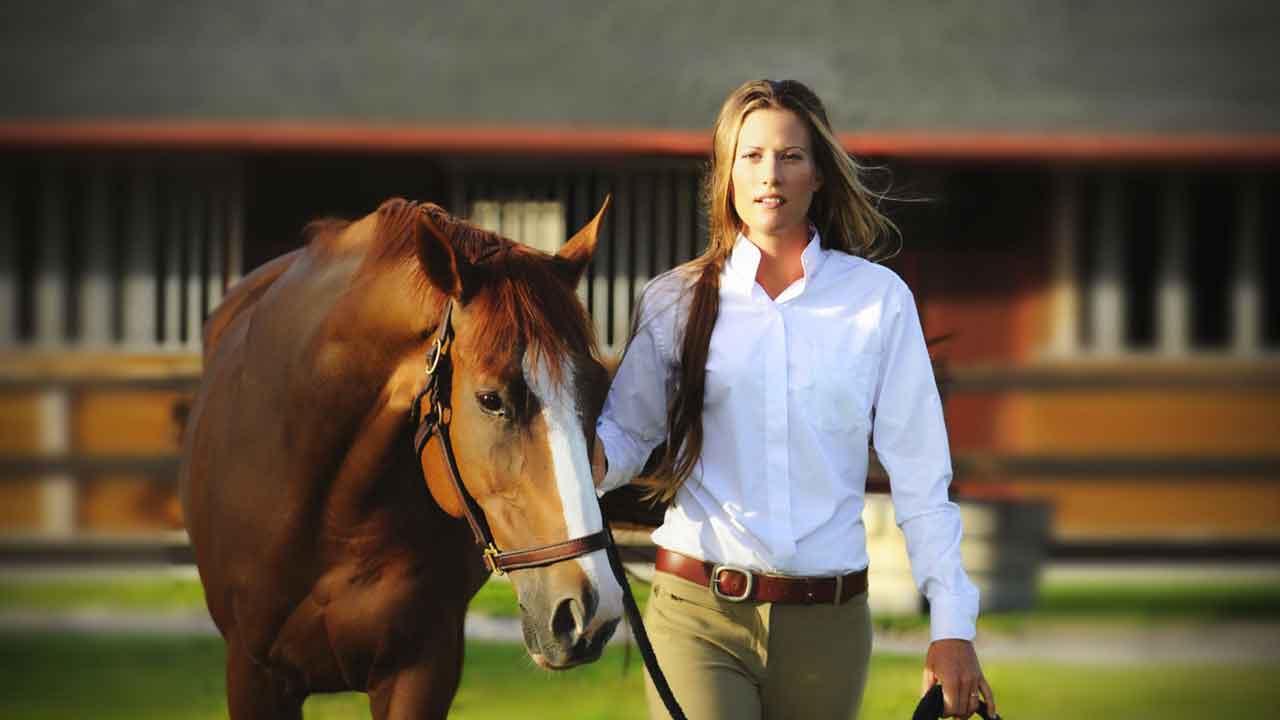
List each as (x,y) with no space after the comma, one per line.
(932,705)
(637,629)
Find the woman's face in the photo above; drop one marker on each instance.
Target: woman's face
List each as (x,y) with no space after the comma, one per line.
(774,175)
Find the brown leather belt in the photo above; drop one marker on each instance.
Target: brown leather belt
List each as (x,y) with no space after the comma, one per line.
(737,584)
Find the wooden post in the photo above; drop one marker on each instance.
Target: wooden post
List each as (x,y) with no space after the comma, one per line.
(58,492)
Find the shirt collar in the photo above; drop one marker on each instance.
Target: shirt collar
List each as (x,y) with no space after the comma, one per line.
(744,261)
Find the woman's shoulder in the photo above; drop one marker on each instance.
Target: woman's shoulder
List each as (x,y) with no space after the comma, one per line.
(663,294)
(855,271)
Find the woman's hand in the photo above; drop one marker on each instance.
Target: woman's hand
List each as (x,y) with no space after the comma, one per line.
(955,664)
(599,463)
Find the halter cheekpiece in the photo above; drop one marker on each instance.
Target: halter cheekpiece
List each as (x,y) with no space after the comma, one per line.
(436,419)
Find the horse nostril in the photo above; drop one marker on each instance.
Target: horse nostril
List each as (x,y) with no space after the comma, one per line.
(568,620)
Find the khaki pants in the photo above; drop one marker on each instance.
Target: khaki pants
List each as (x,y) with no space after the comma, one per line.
(750,661)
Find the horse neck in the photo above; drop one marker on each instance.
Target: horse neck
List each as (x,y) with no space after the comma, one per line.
(375,330)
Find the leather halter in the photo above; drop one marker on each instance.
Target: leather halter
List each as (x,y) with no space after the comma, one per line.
(436,420)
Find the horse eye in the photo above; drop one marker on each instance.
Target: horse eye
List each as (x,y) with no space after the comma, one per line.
(490,402)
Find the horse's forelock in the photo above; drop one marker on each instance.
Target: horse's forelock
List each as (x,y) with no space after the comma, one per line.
(523,303)
(525,306)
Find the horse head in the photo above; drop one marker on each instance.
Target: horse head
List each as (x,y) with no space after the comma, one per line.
(524,389)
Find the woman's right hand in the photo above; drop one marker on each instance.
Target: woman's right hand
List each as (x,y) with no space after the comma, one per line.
(599,463)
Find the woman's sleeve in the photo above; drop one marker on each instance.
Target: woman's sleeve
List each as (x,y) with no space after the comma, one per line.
(634,418)
(910,440)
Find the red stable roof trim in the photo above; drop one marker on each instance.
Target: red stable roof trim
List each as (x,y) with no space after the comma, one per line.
(941,145)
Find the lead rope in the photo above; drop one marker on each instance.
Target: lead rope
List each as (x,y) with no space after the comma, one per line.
(637,629)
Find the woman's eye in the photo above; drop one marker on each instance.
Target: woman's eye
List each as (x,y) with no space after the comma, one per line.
(490,402)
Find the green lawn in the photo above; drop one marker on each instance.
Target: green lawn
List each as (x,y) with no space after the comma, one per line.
(79,676)
(1062,602)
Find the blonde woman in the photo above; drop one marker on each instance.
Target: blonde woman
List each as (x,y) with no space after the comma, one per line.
(765,364)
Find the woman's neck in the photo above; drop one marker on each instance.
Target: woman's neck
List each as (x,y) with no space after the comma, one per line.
(780,263)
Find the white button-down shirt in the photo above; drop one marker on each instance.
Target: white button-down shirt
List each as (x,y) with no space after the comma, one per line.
(794,386)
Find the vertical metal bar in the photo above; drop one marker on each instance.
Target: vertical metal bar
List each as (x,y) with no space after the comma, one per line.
(577,218)
(700,230)
(51,281)
(217,242)
(194,237)
(235,227)
(171,244)
(96,283)
(1108,308)
(623,262)
(1247,288)
(8,260)
(1064,290)
(139,273)
(1173,303)
(602,276)
(642,238)
(663,227)
(686,220)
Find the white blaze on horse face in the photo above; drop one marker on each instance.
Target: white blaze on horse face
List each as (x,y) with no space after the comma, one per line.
(572,467)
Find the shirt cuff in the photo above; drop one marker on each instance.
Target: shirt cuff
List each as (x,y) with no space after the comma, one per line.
(953,617)
(619,453)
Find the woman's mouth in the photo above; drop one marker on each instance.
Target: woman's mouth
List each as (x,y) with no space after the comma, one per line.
(771,202)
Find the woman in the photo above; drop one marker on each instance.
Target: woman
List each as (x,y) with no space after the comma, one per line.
(764,364)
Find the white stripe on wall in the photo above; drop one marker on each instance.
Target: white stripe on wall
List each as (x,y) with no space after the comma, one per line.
(1108,312)
(97,280)
(1247,293)
(1173,304)
(51,281)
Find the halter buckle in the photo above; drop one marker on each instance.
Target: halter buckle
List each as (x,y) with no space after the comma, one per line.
(491,553)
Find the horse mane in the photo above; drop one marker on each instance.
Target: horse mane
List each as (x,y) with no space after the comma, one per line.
(516,298)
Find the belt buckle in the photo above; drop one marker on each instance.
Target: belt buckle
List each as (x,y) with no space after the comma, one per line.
(715,582)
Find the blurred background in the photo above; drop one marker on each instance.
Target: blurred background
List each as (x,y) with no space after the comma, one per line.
(1089,195)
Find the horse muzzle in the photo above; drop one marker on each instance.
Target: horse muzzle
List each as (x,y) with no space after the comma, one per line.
(564,629)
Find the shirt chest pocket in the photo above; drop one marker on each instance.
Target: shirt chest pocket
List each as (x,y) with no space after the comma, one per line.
(834,385)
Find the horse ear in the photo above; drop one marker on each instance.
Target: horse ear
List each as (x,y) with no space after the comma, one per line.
(447,270)
(578,251)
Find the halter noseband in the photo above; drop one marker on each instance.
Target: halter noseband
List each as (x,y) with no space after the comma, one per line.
(439,414)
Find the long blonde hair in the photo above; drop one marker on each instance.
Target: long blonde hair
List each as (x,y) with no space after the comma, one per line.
(843,210)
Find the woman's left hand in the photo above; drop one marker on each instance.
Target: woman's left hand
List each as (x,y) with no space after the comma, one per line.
(954,663)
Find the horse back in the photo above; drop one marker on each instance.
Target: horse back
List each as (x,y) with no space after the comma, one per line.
(241,298)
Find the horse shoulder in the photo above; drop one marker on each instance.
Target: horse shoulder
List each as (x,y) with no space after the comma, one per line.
(241,297)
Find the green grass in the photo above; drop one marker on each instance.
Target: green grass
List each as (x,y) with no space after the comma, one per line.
(54,675)
(1059,601)
(125,592)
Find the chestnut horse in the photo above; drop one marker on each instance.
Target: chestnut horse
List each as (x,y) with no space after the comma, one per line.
(331,552)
